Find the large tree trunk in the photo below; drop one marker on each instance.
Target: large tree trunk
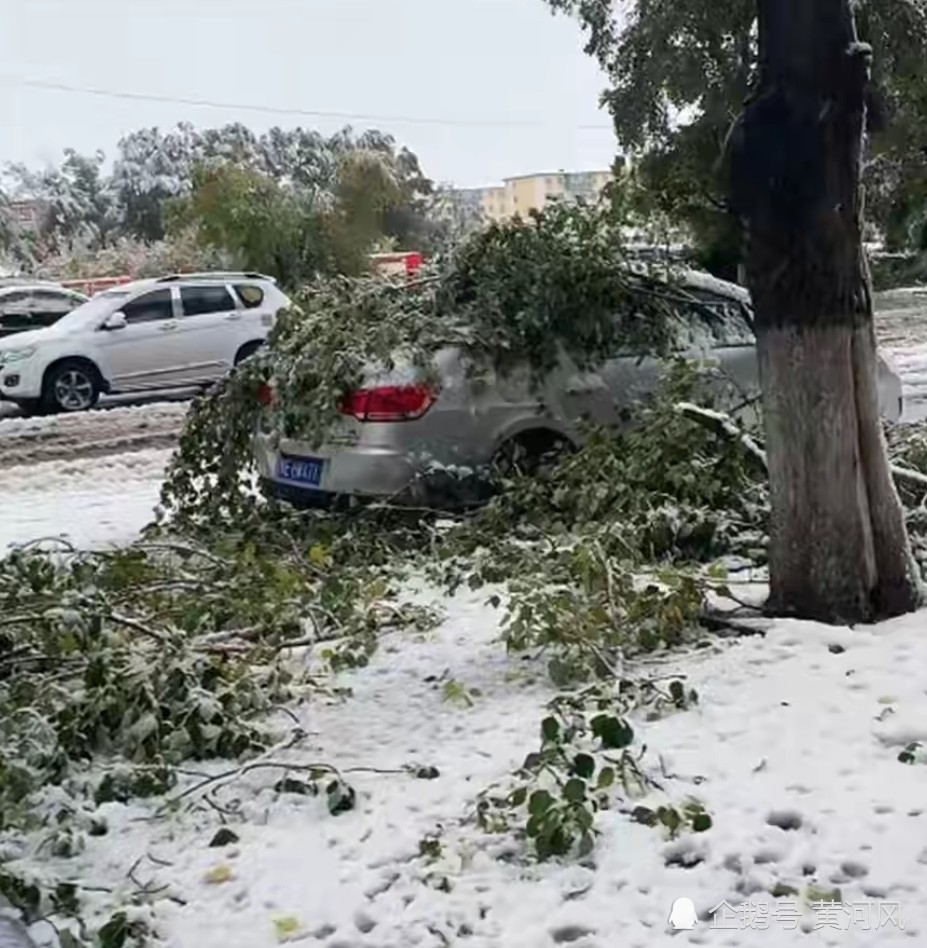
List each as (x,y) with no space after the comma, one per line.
(839,549)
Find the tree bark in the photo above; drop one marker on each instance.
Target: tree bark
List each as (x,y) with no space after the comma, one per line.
(839,550)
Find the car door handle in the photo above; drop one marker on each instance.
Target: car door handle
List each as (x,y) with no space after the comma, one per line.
(168,327)
(232,316)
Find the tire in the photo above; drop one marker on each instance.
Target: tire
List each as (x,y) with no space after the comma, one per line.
(529,454)
(445,492)
(246,351)
(70,386)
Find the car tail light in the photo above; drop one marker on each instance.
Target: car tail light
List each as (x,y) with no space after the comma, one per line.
(389,403)
(265,394)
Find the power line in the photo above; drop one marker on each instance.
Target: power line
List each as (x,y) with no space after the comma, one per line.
(276,110)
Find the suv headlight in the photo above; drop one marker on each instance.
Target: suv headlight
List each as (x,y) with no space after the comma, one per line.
(10,356)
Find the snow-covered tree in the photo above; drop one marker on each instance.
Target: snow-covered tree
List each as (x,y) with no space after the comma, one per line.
(87,210)
(151,168)
(155,166)
(76,198)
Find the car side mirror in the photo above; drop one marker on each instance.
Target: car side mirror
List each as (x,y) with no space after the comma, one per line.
(115,321)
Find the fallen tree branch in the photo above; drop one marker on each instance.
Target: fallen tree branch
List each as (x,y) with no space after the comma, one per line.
(183,549)
(730,625)
(723,592)
(725,424)
(315,770)
(909,477)
(135,625)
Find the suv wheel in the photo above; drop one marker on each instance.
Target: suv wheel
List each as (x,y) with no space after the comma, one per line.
(71,386)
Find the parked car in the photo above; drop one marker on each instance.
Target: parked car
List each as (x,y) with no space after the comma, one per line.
(400,426)
(27,305)
(174,332)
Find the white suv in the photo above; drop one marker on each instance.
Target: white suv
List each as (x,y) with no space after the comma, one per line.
(174,332)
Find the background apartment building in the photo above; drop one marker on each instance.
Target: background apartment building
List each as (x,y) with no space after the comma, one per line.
(27,214)
(531,192)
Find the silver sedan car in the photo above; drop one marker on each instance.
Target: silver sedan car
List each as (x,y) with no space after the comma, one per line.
(403,436)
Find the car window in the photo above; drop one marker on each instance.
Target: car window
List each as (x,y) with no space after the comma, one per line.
(696,319)
(700,319)
(150,308)
(14,302)
(725,319)
(250,295)
(50,301)
(46,307)
(682,328)
(14,313)
(199,300)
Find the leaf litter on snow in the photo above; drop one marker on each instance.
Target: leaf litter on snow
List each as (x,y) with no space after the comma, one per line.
(787,748)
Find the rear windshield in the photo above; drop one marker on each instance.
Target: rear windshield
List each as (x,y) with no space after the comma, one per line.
(250,295)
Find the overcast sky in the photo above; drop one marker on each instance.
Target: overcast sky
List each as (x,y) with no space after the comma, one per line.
(499,61)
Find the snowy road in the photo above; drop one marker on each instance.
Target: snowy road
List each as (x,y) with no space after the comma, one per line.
(90,501)
(112,430)
(93,478)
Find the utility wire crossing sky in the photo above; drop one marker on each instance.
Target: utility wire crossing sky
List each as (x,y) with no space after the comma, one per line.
(275,110)
(480,90)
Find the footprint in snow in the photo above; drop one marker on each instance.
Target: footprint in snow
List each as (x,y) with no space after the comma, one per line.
(799,789)
(733,863)
(785,819)
(854,869)
(750,885)
(363,922)
(566,934)
(685,853)
(766,856)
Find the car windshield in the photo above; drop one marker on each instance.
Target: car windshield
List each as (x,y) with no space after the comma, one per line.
(96,308)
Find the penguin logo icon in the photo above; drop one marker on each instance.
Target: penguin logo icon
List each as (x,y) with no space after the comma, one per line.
(683,917)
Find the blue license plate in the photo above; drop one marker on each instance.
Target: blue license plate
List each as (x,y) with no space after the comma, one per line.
(300,470)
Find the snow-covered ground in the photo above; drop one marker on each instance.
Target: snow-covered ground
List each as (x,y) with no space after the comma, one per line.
(793,749)
(91,501)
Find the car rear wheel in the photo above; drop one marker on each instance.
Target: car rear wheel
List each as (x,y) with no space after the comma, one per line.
(529,454)
(71,386)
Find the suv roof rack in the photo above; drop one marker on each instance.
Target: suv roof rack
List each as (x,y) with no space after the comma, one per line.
(216,275)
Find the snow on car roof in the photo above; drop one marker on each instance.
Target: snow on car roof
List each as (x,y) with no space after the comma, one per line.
(694,279)
(10,286)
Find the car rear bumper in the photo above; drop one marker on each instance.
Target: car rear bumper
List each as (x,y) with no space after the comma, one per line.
(352,471)
(301,496)
(369,473)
